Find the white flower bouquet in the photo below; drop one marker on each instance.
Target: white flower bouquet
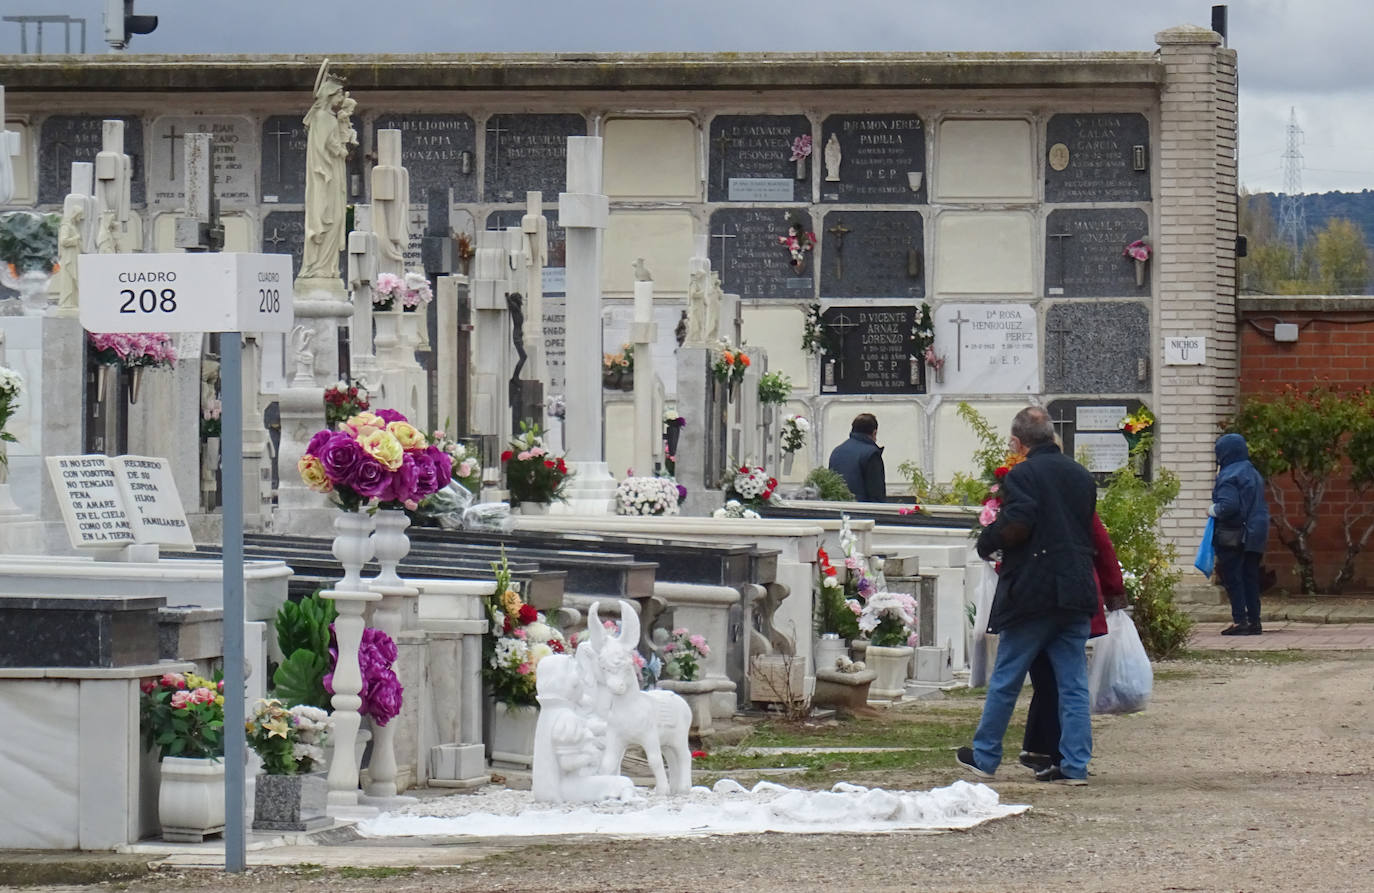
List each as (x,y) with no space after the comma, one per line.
(646,496)
(794,431)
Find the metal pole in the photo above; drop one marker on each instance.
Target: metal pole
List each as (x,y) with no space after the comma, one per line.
(231,434)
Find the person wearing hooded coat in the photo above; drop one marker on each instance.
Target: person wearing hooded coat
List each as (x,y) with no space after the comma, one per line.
(1241,532)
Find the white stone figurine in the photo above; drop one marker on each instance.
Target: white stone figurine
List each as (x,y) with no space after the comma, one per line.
(71,240)
(329,130)
(696,308)
(832,159)
(642,273)
(302,338)
(658,721)
(714,294)
(567,753)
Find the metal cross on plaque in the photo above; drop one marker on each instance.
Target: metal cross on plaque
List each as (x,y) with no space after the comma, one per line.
(839,230)
(494,129)
(172,155)
(1059,243)
(840,325)
(279,133)
(723,236)
(1063,332)
(275,239)
(959,320)
(722,143)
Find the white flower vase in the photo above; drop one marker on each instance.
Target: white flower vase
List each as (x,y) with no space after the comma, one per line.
(533,508)
(512,734)
(801,168)
(390,545)
(697,693)
(787,460)
(33,292)
(1140,272)
(829,649)
(891,664)
(352,547)
(190,800)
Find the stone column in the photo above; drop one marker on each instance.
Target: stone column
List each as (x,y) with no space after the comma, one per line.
(257,468)
(348,680)
(583,211)
(362,278)
(489,409)
(648,425)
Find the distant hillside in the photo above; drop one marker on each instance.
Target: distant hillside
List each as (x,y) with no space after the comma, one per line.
(1319,208)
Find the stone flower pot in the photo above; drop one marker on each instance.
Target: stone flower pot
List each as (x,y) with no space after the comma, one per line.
(697,693)
(891,665)
(190,799)
(290,802)
(512,734)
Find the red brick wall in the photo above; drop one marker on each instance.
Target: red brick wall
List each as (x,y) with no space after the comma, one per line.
(1335,346)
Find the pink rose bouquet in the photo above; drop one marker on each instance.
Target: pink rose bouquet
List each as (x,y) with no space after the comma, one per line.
(132,350)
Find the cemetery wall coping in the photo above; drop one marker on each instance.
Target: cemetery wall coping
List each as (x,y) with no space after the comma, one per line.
(135,671)
(678,525)
(187,569)
(696,593)
(570,71)
(1307,303)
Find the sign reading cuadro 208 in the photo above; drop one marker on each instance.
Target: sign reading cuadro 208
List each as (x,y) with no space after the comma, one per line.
(186,292)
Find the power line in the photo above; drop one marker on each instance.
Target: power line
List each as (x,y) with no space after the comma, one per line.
(1292,219)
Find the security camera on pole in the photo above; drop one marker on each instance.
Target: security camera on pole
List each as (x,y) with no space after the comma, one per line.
(121,23)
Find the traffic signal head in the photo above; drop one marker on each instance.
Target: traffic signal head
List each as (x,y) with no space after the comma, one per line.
(120,23)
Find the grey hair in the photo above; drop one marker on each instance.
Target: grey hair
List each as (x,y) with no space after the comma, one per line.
(1032,427)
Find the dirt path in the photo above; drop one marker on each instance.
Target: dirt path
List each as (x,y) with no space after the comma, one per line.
(1244,775)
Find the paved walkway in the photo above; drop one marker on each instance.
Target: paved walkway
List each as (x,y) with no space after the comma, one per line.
(1282,635)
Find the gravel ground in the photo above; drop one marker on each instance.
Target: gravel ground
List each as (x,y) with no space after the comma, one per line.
(1245,774)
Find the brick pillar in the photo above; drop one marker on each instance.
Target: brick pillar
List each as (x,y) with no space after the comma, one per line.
(1195,263)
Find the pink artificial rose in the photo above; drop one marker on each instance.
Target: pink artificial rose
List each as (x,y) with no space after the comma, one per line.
(853,605)
(700,643)
(180,699)
(171,680)
(536,452)
(852,563)
(523,455)
(680,631)
(913,640)
(147,686)
(202,696)
(519,633)
(989,513)
(524,669)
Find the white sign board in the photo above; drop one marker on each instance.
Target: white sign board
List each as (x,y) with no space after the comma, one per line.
(1185,350)
(760,189)
(1102,452)
(988,349)
(197,292)
(115,501)
(1099,418)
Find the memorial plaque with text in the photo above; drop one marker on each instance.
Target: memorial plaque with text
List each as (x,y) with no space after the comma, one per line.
(1088,429)
(744,249)
(872,254)
(1083,253)
(150,497)
(881,159)
(877,351)
(528,152)
(64,139)
(435,149)
(751,159)
(235,150)
(283,232)
(987,348)
(283,160)
(1100,348)
(1097,158)
(91,501)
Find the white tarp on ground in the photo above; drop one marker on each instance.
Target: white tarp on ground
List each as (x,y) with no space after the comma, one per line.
(728,808)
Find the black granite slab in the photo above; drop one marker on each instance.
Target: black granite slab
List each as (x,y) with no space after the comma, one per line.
(1071,417)
(879,154)
(558,236)
(59,631)
(63,139)
(1097,158)
(872,254)
(744,148)
(1083,253)
(1097,348)
(527,152)
(283,159)
(283,232)
(744,248)
(435,149)
(877,351)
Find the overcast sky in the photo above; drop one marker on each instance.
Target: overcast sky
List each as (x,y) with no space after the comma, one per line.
(1311,55)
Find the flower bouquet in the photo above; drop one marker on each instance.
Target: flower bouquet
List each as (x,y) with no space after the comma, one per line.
(733,508)
(381,691)
(182,715)
(411,291)
(992,502)
(774,388)
(673,423)
(289,741)
(518,639)
(210,421)
(801,150)
(467,467)
(836,613)
(889,619)
(798,241)
(11,386)
(729,366)
(374,456)
(794,431)
(133,351)
(533,474)
(683,654)
(646,496)
(751,486)
(1138,251)
(1137,428)
(616,367)
(342,401)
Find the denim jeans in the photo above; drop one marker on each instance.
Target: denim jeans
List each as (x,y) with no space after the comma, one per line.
(1240,574)
(1063,638)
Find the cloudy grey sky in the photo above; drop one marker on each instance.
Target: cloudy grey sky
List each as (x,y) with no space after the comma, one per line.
(1314,56)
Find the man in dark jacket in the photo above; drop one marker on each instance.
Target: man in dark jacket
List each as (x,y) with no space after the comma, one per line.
(1240,509)
(1046,595)
(859,460)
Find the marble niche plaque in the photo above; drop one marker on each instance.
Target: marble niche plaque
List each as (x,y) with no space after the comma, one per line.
(283,160)
(988,348)
(882,159)
(283,232)
(873,254)
(439,152)
(1100,348)
(1097,158)
(1083,253)
(751,159)
(235,154)
(877,351)
(1088,429)
(744,248)
(528,152)
(66,138)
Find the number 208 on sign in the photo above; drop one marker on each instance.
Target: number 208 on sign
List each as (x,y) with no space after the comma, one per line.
(148,292)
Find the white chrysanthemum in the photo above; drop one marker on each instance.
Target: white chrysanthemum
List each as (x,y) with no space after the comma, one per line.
(11,382)
(538,652)
(537,631)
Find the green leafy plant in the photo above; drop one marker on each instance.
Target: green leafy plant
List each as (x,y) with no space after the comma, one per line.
(182,715)
(964,488)
(1131,509)
(303,636)
(774,388)
(830,484)
(28,241)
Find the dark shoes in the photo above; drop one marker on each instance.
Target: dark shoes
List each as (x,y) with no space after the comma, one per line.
(1036,762)
(1054,775)
(1244,629)
(964,757)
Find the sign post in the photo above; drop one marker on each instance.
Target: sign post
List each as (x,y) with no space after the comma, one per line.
(205,292)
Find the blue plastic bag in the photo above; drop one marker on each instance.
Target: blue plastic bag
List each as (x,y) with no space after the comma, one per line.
(1206,558)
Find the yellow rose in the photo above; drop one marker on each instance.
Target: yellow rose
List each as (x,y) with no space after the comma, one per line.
(406,433)
(366,423)
(383,447)
(312,473)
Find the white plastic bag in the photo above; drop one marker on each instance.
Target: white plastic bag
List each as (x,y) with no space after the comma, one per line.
(1120,678)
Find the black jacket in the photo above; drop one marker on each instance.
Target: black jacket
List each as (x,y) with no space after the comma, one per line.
(859,460)
(1045,534)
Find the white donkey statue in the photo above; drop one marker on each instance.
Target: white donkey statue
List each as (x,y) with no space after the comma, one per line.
(657,721)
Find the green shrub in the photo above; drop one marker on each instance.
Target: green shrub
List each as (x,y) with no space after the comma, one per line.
(964,488)
(303,636)
(831,484)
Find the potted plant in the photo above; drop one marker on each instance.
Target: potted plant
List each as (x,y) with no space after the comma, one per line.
(837,613)
(181,715)
(534,476)
(794,431)
(728,368)
(889,621)
(290,794)
(683,655)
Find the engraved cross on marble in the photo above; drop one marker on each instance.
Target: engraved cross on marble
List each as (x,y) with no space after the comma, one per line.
(958,319)
(1059,242)
(723,236)
(495,129)
(722,143)
(1063,332)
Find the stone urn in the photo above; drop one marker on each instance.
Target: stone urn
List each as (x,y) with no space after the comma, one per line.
(532,508)
(891,665)
(512,734)
(697,693)
(829,649)
(290,802)
(190,799)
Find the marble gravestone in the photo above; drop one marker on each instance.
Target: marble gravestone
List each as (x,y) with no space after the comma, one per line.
(283,232)
(64,139)
(235,151)
(283,160)
(872,254)
(1083,252)
(555,286)
(439,151)
(749,159)
(877,352)
(882,159)
(989,348)
(744,248)
(1089,428)
(1098,348)
(1097,158)
(527,153)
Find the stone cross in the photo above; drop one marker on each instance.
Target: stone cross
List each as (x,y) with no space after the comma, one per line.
(534,227)
(839,230)
(199,229)
(648,427)
(959,320)
(1059,243)
(9,147)
(113,176)
(362,276)
(75,237)
(391,203)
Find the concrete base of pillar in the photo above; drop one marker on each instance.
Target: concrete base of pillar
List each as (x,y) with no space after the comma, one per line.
(590,492)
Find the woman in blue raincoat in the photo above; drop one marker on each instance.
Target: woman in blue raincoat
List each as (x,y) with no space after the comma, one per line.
(1242,529)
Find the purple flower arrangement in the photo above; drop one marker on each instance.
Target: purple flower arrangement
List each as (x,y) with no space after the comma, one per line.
(381,691)
(375,456)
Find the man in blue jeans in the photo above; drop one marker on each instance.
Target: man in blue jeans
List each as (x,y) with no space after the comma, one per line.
(1045,595)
